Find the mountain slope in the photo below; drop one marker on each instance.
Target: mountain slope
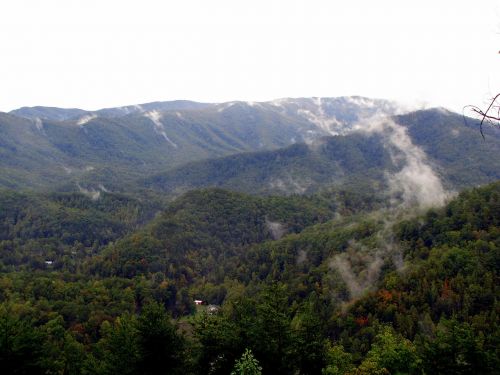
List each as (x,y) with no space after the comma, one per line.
(431,144)
(48,113)
(62,114)
(64,228)
(386,291)
(202,229)
(112,147)
(296,169)
(117,149)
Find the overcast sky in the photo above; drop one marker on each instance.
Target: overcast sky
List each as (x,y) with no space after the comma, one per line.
(101,53)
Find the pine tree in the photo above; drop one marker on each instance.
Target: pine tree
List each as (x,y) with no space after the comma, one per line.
(247,365)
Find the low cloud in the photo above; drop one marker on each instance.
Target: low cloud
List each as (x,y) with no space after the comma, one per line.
(91,193)
(155,117)
(289,184)
(85,119)
(358,267)
(302,256)
(412,187)
(276,229)
(415,182)
(39,125)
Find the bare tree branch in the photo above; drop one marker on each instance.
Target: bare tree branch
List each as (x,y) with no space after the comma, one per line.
(489,116)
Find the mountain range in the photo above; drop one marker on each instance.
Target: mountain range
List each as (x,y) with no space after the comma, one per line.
(321,236)
(427,142)
(283,146)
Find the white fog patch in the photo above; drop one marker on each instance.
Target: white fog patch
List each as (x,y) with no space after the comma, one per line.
(276,229)
(415,184)
(418,184)
(358,268)
(39,125)
(301,257)
(397,259)
(179,115)
(254,104)
(91,193)
(224,106)
(315,144)
(89,168)
(68,170)
(278,102)
(85,119)
(361,101)
(155,117)
(416,181)
(328,124)
(103,188)
(289,185)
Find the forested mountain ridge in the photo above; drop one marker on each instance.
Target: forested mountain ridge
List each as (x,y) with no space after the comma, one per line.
(57,230)
(61,114)
(282,146)
(343,291)
(40,147)
(323,235)
(202,232)
(451,147)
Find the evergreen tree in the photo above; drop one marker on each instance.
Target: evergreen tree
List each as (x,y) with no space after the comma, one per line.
(247,365)
(161,348)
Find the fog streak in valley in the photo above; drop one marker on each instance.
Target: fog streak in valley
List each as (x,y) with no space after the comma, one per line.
(412,188)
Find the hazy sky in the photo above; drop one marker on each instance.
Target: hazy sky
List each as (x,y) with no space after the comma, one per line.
(102,53)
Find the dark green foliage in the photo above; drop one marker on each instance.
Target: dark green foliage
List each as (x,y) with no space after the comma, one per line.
(284,299)
(297,169)
(21,349)
(447,300)
(118,350)
(457,349)
(161,349)
(338,361)
(447,138)
(147,344)
(247,365)
(88,286)
(57,231)
(283,340)
(203,230)
(392,352)
(62,353)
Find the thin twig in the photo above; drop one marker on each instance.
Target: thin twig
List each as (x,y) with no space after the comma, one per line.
(485,116)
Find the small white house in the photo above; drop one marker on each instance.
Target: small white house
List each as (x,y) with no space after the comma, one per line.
(198,302)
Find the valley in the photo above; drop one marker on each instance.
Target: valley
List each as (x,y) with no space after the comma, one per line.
(325,235)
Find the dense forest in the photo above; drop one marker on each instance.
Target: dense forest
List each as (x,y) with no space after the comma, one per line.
(240,230)
(338,282)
